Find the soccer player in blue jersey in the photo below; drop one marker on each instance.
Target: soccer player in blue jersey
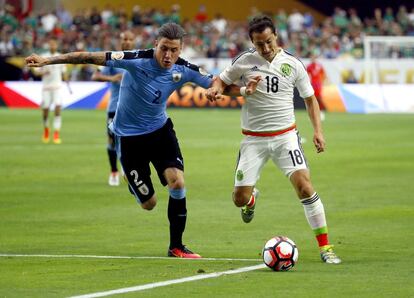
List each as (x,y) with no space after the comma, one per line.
(114,76)
(143,130)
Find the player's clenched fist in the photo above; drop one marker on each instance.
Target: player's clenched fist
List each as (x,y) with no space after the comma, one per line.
(213,94)
(35,60)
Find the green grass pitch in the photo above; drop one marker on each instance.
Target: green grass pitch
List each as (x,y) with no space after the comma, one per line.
(54,199)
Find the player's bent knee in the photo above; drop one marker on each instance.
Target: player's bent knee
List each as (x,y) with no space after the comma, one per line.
(176,182)
(240,198)
(150,204)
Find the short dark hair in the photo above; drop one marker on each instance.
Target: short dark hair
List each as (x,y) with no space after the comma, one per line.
(259,24)
(171,31)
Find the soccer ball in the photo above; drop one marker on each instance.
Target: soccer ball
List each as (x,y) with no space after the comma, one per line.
(280,253)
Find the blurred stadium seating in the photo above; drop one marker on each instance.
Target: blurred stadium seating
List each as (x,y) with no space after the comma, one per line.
(338,34)
(332,33)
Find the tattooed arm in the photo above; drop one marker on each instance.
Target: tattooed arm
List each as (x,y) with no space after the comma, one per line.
(97,58)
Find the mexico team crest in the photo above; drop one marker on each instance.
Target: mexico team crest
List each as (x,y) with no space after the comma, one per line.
(286,69)
(176,76)
(239,175)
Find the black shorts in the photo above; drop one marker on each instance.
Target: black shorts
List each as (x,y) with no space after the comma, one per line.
(109,118)
(160,148)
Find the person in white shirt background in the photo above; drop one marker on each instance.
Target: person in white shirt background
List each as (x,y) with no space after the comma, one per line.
(52,82)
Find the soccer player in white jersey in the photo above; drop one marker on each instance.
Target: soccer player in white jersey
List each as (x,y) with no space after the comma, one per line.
(52,82)
(268,123)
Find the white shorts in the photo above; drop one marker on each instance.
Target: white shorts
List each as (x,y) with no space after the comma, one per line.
(51,97)
(285,150)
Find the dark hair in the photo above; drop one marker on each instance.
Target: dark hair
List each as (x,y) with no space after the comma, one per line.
(259,24)
(171,31)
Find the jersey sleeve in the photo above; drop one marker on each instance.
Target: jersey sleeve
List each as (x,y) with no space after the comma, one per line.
(196,74)
(201,79)
(123,59)
(302,81)
(232,73)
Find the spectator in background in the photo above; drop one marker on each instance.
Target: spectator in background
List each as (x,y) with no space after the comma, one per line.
(254,12)
(340,19)
(175,16)
(30,21)
(79,20)
(95,17)
(389,15)
(201,15)
(213,50)
(295,21)
(308,21)
(219,23)
(136,17)
(6,45)
(48,21)
(354,19)
(281,22)
(106,13)
(7,17)
(402,17)
(64,16)
(411,16)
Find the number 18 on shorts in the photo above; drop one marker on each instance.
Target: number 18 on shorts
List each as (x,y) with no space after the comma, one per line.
(284,150)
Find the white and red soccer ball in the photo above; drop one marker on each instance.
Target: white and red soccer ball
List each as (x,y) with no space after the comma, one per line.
(280,253)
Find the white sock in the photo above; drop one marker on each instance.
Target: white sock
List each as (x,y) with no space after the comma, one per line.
(314,211)
(57,122)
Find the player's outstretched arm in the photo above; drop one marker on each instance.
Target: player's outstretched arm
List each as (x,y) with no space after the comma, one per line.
(97,58)
(312,107)
(235,90)
(216,90)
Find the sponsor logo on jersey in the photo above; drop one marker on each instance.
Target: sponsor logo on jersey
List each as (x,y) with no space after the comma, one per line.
(286,69)
(254,68)
(176,76)
(117,55)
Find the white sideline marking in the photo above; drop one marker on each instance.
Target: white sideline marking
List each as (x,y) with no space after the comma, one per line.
(170,282)
(121,257)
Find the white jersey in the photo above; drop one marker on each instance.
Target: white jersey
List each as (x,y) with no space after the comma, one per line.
(270,108)
(52,74)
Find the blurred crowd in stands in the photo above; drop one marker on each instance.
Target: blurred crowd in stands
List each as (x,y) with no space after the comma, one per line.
(340,34)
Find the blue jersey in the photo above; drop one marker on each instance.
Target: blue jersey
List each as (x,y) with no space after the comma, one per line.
(145,89)
(113,101)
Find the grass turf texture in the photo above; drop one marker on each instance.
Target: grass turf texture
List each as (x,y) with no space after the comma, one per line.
(54,199)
